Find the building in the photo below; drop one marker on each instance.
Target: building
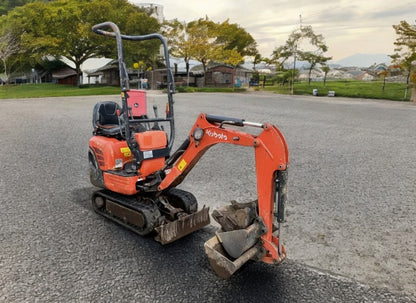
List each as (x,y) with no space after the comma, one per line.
(60,73)
(364,76)
(66,75)
(156,10)
(222,75)
(107,74)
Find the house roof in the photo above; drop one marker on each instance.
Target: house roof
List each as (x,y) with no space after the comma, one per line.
(198,69)
(113,64)
(364,76)
(64,73)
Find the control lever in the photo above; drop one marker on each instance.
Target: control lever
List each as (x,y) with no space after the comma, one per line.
(156,125)
(130,111)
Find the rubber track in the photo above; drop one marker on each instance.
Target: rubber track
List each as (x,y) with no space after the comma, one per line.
(189,200)
(149,211)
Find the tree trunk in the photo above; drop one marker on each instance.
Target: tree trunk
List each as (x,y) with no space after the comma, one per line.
(413,97)
(79,73)
(293,73)
(407,84)
(187,71)
(5,73)
(205,72)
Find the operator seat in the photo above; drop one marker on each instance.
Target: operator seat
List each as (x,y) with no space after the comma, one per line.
(105,120)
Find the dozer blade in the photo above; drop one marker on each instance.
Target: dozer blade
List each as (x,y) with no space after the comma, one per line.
(221,263)
(177,229)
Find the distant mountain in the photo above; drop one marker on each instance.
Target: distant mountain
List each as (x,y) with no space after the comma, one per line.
(364,60)
(356,60)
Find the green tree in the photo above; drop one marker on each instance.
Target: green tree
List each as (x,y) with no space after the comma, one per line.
(257,58)
(325,69)
(234,37)
(207,41)
(9,46)
(313,60)
(232,57)
(282,53)
(62,28)
(405,51)
(202,37)
(273,61)
(8,5)
(384,74)
(180,46)
(303,44)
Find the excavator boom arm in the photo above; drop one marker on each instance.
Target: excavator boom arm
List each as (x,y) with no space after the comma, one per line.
(271,157)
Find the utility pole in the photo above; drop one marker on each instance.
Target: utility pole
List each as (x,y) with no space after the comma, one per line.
(294,57)
(294,66)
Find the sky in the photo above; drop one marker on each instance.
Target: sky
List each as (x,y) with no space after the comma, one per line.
(348,26)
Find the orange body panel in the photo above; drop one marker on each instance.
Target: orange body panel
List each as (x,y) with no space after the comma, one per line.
(151,140)
(120,184)
(150,166)
(113,154)
(107,150)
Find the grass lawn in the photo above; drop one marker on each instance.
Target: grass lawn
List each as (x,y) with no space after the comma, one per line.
(184,89)
(53,90)
(58,90)
(353,89)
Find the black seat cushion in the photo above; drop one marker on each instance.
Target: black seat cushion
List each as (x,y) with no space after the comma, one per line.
(105,119)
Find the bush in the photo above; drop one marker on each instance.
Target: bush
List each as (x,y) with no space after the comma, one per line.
(185,89)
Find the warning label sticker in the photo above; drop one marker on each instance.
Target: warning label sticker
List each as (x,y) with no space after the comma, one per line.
(182,165)
(125,151)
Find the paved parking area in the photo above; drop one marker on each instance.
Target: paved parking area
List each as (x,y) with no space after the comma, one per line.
(350,232)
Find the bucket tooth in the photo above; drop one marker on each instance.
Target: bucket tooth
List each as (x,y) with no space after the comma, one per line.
(224,265)
(183,226)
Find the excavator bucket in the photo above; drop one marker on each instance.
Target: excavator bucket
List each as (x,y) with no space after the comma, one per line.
(183,226)
(223,264)
(236,242)
(238,239)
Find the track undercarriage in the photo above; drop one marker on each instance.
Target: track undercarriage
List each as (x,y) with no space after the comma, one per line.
(173,215)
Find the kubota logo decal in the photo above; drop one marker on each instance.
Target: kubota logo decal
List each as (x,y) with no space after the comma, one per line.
(216,135)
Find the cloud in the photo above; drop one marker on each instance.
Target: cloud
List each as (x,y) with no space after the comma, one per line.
(399,11)
(349,26)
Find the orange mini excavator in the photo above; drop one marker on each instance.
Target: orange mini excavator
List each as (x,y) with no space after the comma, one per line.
(130,158)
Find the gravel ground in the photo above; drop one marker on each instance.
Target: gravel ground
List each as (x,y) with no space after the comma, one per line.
(350,231)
